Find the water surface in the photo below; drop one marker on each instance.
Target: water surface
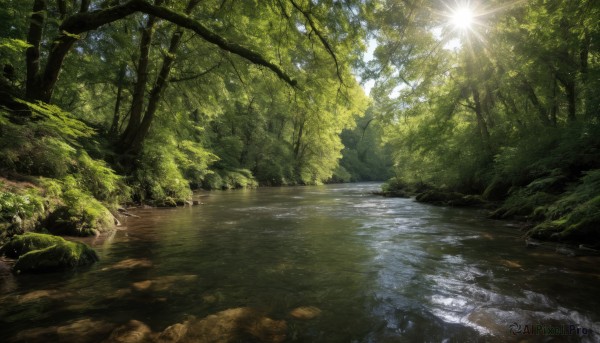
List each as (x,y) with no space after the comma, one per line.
(379,269)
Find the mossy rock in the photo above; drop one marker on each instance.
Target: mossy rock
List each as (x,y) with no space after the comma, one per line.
(580,225)
(38,252)
(22,244)
(81,222)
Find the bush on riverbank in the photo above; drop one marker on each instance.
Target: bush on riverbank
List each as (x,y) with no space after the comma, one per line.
(41,253)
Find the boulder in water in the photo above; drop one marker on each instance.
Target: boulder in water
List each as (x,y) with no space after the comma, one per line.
(38,252)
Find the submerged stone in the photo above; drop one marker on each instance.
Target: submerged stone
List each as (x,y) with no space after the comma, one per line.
(132,332)
(240,324)
(130,263)
(305,312)
(82,330)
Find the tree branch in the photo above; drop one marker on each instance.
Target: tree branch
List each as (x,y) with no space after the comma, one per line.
(195,76)
(322,38)
(83,22)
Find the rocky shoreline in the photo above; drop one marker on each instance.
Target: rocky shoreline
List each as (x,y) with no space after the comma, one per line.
(532,225)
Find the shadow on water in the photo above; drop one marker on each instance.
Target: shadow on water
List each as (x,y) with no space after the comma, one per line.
(361,268)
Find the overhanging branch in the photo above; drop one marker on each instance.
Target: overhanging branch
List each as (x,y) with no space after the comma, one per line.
(322,38)
(88,21)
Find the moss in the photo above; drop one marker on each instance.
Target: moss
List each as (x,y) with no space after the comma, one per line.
(524,203)
(41,252)
(581,224)
(22,244)
(83,220)
(65,255)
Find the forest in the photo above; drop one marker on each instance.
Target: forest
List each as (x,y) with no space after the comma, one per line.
(111,102)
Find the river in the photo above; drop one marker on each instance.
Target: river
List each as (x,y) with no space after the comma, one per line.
(371,269)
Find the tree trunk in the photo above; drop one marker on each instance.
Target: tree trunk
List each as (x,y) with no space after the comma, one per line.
(114,128)
(542,112)
(135,145)
(139,90)
(483,129)
(571,94)
(32,54)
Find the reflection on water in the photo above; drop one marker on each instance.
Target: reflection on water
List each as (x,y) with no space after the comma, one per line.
(307,264)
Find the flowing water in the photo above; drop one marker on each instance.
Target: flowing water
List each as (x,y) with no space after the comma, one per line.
(378,269)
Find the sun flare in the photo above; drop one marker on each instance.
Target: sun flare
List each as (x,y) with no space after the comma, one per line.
(462,18)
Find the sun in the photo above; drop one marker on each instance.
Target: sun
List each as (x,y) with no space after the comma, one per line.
(462,18)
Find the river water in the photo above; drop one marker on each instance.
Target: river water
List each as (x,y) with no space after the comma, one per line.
(377,269)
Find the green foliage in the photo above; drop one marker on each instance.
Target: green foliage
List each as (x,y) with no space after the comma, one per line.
(230,179)
(194,161)
(365,156)
(100,180)
(340,175)
(158,175)
(524,202)
(12,44)
(25,206)
(73,210)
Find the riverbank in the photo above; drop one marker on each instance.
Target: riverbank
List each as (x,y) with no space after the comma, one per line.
(551,209)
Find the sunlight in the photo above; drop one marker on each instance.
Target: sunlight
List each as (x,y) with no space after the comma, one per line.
(462,18)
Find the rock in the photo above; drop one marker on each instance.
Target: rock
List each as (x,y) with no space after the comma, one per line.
(22,244)
(56,257)
(130,263)
(210,298)
(77,330)
(511,264)
(82,330)
(163,283)
(43,294)
(80,221)
(305,312)
(237,324)
(142,285)
(267,330)
(132,332)
(196,202)
(40,253)
(173,333)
